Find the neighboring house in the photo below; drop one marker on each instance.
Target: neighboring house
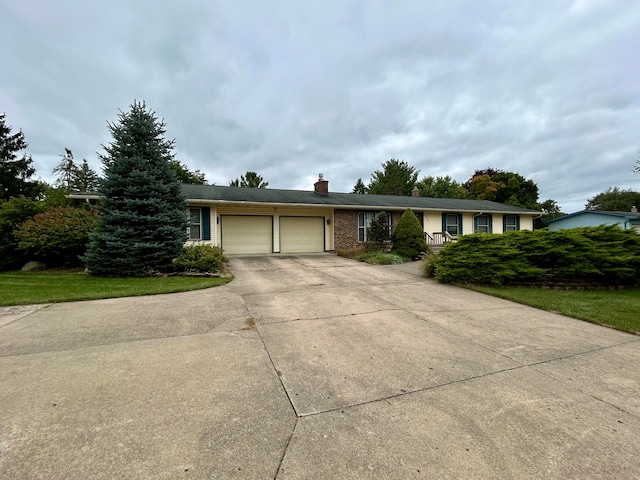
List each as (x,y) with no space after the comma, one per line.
(266,220)
(593,218)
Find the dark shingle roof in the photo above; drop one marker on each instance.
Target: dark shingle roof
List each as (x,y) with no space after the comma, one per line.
(220,194)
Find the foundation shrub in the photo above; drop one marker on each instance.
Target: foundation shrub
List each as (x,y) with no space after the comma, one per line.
(381,258)
(606,255)
(408,236)
(199,259)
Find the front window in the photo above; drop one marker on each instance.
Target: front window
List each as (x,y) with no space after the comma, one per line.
(483,224)
(195,224)
(364,222)
(511,223)
(452,223)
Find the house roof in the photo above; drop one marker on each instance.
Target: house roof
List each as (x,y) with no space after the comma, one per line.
(625,215)
(271,196)
(220,194)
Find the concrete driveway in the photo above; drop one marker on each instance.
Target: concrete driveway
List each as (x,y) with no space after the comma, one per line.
(315,367)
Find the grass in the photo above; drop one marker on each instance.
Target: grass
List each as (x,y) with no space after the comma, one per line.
(615,308)
(22,288)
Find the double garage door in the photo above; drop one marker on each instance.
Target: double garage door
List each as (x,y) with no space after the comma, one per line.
(246,234)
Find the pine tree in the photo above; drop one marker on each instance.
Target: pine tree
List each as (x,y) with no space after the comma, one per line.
(143,222)
(85,179)
(359,187)
(378,232)
(15,172)
(65,170)
(249,180)
(408,236)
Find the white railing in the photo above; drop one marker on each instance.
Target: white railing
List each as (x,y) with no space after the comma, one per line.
(439,238)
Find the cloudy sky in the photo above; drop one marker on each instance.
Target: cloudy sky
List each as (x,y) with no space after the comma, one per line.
(546,88)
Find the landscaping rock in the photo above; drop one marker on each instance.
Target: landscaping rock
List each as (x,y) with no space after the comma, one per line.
(34,266)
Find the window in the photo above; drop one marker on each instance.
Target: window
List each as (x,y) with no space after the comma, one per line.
(511,223)
(452,223)
(482,224)
(195,224)
(364,221)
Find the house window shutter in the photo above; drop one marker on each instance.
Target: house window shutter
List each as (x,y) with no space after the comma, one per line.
(206,224)
(475,224)
(504,223)
(460,224)
(490,223)
(517,222)
(444,222)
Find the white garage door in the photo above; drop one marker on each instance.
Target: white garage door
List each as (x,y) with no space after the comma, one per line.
(301,234)
(246,234)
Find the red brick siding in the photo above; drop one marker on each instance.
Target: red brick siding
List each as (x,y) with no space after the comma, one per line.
(345,229)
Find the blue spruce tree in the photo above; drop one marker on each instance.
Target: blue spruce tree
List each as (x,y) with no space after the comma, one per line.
(143,222)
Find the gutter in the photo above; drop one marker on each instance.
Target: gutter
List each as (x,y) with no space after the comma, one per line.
(310,205)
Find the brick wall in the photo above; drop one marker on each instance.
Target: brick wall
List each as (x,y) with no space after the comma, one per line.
(345,229)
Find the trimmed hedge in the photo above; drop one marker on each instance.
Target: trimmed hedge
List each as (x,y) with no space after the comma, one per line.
(605,255)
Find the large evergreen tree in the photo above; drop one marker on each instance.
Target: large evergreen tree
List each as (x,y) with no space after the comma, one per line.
(15,172)
(143,222)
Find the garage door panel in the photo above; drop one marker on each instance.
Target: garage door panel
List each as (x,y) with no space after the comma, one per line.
(301,234)
(247,234)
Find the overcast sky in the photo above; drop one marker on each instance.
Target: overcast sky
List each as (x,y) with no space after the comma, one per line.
(549,89)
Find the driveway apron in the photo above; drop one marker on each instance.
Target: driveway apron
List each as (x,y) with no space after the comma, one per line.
(315,367)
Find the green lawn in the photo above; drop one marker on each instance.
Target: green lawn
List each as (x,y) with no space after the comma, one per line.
(617,308)
(22,288)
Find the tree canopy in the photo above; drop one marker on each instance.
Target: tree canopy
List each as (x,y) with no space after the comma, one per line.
(614,200)
(359,187)
(503,187)
(441,187)
(249,180)
(15,171)
(143,222)
(396,178)
(184,175)
(74,178)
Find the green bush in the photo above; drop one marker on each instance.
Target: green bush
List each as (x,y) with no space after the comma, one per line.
(200,259)
(606,255)
(378,232)
(408,236)
(380,258)
(13,212)
(59,235)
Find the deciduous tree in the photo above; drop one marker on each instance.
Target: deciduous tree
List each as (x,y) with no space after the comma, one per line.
(396,178)
(614,200)
(441,187)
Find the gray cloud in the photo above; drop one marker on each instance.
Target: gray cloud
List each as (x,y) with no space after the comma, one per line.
(296,88)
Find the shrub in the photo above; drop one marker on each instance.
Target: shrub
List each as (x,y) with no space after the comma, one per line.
(378,232)
(606,255)
(200,259)
(59,235)
(351,252)
(13,212)
(408,236)
(380,258)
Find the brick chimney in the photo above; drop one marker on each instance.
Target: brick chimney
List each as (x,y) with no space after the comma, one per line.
(415,192)
(321,187)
